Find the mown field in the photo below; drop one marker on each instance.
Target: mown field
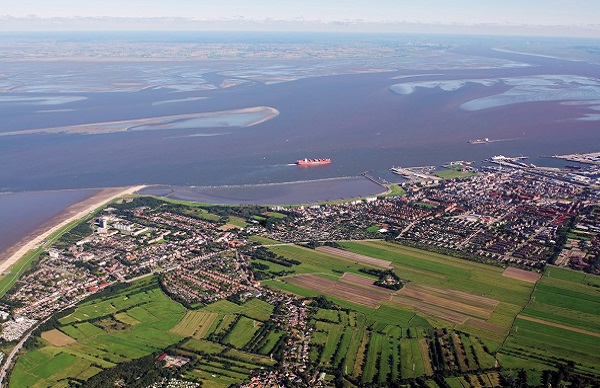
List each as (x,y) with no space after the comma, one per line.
(562,322)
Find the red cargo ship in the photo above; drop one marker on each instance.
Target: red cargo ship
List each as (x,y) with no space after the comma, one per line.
(312,162)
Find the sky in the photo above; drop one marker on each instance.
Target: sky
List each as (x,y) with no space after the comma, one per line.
(567,17)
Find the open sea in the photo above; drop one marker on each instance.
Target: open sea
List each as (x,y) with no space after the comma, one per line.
(365,119)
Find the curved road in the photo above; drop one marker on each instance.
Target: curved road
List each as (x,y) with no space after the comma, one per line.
(14,352)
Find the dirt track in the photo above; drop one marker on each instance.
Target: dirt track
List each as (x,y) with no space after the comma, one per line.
(558,325)
(355,256)
(521,274)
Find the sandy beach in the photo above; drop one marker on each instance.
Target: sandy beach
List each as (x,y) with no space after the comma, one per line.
(72,213)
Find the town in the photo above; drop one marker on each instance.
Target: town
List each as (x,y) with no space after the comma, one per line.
(204,254)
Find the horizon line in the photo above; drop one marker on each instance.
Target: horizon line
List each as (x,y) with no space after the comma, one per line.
(498,34)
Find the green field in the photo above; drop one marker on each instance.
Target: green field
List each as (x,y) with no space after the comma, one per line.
(116,304)
(333,333)
(237,221)
(453,174)
(17,269)
(220,366)
(81,331)
(242,332)
(561,297)
(314,261)
(275,215)
(263,240)
(156,315)
(268,343)
(328,315)
(394,190)
(565,297)
(195,324)
(154,322)
(254,308)
(203,346)
(44,367)
(446,272)
(418,267)
(393,352)
(193,209)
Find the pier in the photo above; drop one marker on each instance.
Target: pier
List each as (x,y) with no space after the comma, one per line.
(417,174)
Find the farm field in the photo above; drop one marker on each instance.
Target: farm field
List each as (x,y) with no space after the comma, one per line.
(242,332)
(451,316)
(482,303)
(314,261)
(340,290)
(139,320)
(521,274)
(91,346)
(57,338)
(446,291)
(381,353)
(254,308)
(355,256)
(379,349)
(220,366)
(561,321)
(194,324)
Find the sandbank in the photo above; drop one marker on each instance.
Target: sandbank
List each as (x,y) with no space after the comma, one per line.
(160,122)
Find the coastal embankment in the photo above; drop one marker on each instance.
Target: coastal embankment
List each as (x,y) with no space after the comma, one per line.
(286,193)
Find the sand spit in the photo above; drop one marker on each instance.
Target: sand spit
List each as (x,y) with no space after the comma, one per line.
(162,122)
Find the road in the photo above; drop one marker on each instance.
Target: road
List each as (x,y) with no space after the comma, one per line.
(14,352)
(17,348)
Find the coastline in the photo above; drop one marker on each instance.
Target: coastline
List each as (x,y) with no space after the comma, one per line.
(72,213)
(326,190)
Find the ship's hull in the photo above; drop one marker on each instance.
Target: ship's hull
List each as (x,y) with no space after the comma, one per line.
(479,141)
(312,162)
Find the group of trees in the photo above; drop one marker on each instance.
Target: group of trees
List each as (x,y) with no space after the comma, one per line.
(386,278)
(264,254)
(142,372)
